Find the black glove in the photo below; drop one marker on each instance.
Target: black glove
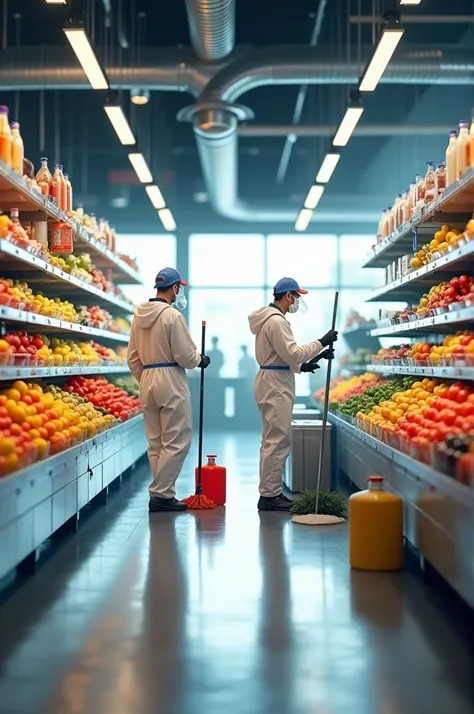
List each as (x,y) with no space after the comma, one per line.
(327,354)
(328,338)
(205,362)
(310,366)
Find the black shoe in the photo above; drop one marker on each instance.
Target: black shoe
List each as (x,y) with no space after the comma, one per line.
(285,498)
(277,503)
(165,504)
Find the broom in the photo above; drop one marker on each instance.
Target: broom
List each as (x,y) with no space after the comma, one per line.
(200,502)
(313,517)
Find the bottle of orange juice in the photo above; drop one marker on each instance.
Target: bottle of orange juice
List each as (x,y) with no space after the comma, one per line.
(18,152)
(56,192)
(471,143)
(461,148)
(451,175)
(44,178)
(5,138)
(68,204)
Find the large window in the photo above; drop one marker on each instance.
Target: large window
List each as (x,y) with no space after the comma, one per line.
(226,260)
(152,252)
(311,259)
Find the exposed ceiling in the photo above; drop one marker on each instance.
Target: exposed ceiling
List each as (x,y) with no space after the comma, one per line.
(70,125)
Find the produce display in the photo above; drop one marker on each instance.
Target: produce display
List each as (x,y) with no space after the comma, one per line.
(38,420)
(102,393)
(24,349)
(455,349)
(439,245)
(129,385)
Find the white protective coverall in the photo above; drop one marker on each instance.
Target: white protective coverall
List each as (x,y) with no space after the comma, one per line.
(275,390)
(160,335)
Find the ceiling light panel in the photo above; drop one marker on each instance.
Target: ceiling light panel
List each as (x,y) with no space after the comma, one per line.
(141,167)
(382,55)
(84,52)
(167,219)
(155,196)
(327,167)
(120,123)
(303,220)
(313,197)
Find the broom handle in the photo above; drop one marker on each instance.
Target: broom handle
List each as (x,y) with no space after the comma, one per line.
(201,413)
(326,407)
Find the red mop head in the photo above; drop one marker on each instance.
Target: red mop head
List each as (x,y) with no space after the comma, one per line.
(198,503)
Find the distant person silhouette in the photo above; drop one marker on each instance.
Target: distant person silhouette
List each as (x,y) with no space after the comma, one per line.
(247,365)
(217,359)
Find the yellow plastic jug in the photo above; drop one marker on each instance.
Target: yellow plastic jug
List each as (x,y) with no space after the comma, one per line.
(375,528)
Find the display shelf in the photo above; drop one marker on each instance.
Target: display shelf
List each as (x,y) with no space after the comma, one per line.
(50,325)
(455,200)
(438,510)
(36,501)
(358,328)
(461,319)
(419,281)
(463,373)
(12,372)
(14,191)
(19,264)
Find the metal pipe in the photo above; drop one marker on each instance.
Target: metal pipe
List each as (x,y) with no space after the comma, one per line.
(301,98)
(413,19)
(292,130)
(211,27)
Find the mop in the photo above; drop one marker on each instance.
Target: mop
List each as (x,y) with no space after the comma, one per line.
(200,502)
(316,518)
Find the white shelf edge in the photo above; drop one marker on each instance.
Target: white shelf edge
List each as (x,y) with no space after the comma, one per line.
(448,318)
(31,319)
(8,373)
(463,373)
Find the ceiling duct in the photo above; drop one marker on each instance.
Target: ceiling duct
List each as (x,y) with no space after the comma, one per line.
(211,27)
(217,140)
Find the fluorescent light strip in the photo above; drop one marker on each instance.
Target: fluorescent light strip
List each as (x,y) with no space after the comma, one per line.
(167,219)
(141,167)
(85,54)
(156,197)
(380,59)
(347,125)
(56,2)
(327,167)
(313,197)
(304,217)
(120,124)
(410,2)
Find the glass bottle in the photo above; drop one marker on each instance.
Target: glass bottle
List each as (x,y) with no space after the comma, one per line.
(471,143)
(430,182)
(56,192)
(63,201)
(440,179)
(419,192)
(402,204)
(461,148)
(68,202)
(411,200)
(5,138)
(451,158)
(44,178)
(18,152)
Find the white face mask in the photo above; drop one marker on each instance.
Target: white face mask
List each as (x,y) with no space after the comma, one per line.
(181,302)
(295,305)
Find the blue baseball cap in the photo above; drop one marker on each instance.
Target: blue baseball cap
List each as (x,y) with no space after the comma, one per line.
(168,277)
(288,285)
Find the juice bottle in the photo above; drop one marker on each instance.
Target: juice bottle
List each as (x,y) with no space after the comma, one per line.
(63,203)
(56,192)
(440,179)
(461,148)
(44,178)
(68,206)
(451,158)
(5,138)
(471,143)
(18,153)
(419,192)
(430,182)
(402,208)
(411,200)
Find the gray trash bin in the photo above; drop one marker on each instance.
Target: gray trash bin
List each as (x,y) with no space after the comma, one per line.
(302,466)
(306,414)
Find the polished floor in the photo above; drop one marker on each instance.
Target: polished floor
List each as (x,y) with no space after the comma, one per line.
(223,612)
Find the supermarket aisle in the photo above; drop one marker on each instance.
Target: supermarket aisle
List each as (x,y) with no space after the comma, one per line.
(222,611)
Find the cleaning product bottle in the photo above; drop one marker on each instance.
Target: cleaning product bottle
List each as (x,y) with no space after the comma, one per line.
(375,528)
(5,138)
(213,478)
(462,143)
(44,178)
(451,158)
(18,151)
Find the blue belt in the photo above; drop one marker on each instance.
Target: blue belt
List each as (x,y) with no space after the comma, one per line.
(157,365)
(275,368)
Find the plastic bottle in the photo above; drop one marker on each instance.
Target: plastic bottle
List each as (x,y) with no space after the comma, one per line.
(440,175)
(375,528)
(462,143)
(451,158)
(402,205)
(214,479)
(18,151)
(419,192)
(44,178)
(430,182)
(63,201)
(411,200)
(471,143)
(68,202)
(56,192)
(5,138)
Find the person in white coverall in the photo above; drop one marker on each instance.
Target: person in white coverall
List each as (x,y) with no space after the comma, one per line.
(159,352)
(279,357)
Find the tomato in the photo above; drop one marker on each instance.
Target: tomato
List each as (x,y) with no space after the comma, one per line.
(447,416)
(464,281)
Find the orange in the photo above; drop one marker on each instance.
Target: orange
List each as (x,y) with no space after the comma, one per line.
(37,388)
(34,395)
(13,394)
(12,461)
(50,428)
(7,446)
(41,445)
(34,433)
(21,387)
(43,432)
(17,415)
(4,346)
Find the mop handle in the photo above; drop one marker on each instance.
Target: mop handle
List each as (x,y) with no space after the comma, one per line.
(201,412)
(326,406)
